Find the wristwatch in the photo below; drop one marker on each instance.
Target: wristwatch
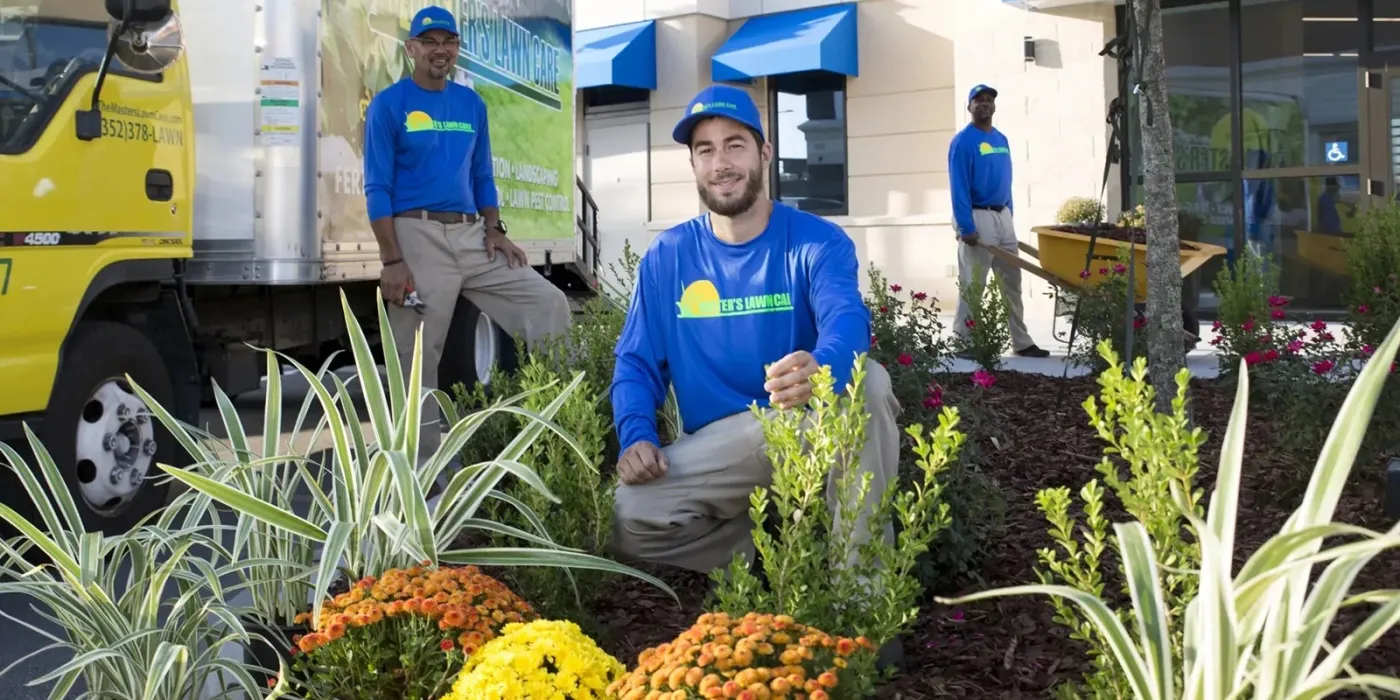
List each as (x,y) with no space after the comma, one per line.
(501,227)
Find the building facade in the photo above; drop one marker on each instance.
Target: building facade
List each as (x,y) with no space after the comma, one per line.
(861,99)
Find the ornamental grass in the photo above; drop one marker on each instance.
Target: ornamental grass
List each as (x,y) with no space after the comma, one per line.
(756,656)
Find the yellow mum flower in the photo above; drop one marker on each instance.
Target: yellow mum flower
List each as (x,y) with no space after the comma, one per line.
(541,659)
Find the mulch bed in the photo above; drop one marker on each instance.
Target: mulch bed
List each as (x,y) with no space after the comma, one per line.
(1011,647)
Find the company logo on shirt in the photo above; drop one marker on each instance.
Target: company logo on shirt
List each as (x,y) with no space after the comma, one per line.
(420,121)
(702,300)
(988,149)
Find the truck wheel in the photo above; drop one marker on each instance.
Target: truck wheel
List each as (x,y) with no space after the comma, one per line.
(474,345)
(101,434)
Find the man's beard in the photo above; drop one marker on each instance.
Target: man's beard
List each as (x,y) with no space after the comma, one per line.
(753,187)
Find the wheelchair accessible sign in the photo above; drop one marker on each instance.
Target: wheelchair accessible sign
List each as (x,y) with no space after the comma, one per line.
(1336,151)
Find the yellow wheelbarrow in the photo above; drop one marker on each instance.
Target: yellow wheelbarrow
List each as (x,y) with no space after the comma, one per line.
(1059,259)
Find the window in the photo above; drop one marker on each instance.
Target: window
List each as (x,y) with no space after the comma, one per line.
(1196,45)
(1299,79)
(1205,214)
(808,130)
(41,57)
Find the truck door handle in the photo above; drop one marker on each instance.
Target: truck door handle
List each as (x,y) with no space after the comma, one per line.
(160,186)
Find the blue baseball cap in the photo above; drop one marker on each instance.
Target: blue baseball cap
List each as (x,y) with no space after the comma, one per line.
(979,89)
(718,101)
(432,17)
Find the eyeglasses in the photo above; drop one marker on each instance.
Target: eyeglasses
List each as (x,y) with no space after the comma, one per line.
(452,44)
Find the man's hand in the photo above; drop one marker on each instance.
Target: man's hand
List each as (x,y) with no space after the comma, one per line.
(497,241)
(969,238)
(643,462)
(394,280)
(789,380)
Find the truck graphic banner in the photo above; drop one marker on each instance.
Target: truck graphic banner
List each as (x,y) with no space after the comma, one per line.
(517,54)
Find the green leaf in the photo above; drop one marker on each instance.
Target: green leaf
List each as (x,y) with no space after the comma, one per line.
(249,505)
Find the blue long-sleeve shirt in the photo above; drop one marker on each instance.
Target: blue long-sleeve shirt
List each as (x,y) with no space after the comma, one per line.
(979,173)
(427,149)
(707,316)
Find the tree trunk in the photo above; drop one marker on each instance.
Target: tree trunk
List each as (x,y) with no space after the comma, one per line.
(1165,346)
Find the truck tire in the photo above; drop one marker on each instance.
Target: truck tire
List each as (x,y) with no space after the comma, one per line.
(101,434)
(474,345)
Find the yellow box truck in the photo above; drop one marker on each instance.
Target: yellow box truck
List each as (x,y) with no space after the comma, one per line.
(179,182)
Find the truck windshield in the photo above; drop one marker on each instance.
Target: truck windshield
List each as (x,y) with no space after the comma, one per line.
(44,46)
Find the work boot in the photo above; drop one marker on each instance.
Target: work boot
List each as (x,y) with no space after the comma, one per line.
(1033,351)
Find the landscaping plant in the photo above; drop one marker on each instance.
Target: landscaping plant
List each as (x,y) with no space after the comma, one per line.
(1259,631)
(908,339)
(375,517)
(1249,309)
(547,659)
(757,655)
(1102,312)
(582,517)
(1148,457)
(403,635)
(988,337)
(143,616)
(1373,270)
(814,569)
(1081,211)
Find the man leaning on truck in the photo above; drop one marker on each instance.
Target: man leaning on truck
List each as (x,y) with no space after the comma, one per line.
(433,206)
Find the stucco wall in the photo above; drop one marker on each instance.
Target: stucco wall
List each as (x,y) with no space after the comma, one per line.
(918,59)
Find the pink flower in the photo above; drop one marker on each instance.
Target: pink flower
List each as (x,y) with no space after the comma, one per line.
(884,310)
(1216,340)
(983,378)
(1248,325)
(1084,274)
(1376,290)
(1367,351)
(1216,326)
(1103,271)
(895,288)
(1325,337)
(1277,301)
(1319,326)
(1253,358)
(1139,322)
(1278,314)
(906,359)
(1120,268)
(932,402)
(1270,355)
(970,323)
(1362,309)
(1295,347)
(920,296)
(1323,366)
(874,341)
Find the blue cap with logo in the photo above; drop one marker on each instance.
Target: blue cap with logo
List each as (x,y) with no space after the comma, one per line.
(979,89)
(430,18)
(718,101)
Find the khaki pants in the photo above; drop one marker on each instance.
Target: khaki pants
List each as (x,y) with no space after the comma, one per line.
(449,261)
(994,228)
(696,516)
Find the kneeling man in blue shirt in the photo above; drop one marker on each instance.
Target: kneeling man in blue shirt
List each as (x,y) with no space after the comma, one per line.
(719,297)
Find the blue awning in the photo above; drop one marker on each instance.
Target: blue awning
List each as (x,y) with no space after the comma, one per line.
(622,55)
(818,38)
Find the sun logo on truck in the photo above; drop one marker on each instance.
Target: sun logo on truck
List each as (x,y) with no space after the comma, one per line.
(418,121)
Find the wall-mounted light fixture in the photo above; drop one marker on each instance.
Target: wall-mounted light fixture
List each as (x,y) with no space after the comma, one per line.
(1030,50)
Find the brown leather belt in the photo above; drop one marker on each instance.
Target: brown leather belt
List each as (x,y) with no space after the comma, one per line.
(442,217)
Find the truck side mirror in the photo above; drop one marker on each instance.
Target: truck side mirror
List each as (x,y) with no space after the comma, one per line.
(141,10)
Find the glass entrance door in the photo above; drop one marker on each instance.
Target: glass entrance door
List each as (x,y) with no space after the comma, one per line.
(1381,161)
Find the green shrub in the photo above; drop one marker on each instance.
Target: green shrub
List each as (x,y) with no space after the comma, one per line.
(1102,312)
(1373,264)
(988,337)
(1149,459)
(814,571)
(582,518)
